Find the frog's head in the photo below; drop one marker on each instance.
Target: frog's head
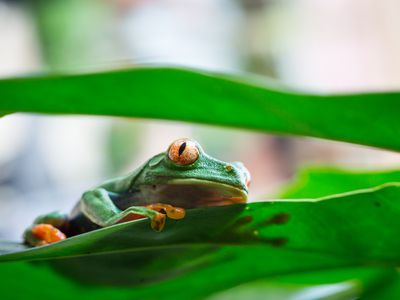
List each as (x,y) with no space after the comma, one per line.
(186,176)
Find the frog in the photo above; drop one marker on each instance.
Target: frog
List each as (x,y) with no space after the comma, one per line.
(182,177)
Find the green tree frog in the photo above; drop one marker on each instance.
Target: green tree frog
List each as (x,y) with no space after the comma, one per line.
(181,178)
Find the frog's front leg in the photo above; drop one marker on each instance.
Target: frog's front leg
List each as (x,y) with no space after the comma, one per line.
(101,210)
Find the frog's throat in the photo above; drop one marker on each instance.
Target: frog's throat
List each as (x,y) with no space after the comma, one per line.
(200,192)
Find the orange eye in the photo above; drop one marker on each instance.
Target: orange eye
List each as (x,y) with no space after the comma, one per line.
(183,152)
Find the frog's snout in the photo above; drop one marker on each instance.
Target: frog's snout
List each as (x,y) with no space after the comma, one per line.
(242,171)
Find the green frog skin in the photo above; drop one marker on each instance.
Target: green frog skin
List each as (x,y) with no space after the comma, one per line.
(181,178)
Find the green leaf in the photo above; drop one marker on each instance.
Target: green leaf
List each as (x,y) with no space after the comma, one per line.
(215,249)
(346,283)
(300,225)
(322,181)
(228,267)
(230,244)
(389,290)
(315,182)
(203,97)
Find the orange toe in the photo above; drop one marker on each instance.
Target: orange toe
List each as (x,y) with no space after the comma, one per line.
(158,222)
(47,234)
(176,213)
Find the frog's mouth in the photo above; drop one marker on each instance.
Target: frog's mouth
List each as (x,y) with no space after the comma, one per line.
(191,193)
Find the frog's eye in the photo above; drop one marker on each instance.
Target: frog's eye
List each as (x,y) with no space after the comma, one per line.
(183,152)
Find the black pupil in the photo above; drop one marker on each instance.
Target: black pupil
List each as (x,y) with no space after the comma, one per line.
(182,148)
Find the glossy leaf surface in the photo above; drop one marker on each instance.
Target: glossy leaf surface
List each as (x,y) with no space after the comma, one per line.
(239,245)
(197,96)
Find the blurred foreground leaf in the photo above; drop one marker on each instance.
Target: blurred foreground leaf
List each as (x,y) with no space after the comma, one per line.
(229,244)
(195,96)
(334,284)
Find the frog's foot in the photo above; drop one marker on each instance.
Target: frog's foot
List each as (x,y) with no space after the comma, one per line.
(158,222)
(44,234)
(172,212)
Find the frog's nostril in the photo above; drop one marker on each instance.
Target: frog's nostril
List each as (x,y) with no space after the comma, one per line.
(228,168)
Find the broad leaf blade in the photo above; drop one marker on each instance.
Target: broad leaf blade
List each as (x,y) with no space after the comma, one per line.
(226,268)
(193,96)
(322,181)
(262,241)
(343,225)
(312,244)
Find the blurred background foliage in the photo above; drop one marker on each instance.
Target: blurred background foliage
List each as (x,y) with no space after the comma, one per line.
(323,46)
(301,43)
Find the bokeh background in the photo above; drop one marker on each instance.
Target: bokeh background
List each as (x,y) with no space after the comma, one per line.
(46,162)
